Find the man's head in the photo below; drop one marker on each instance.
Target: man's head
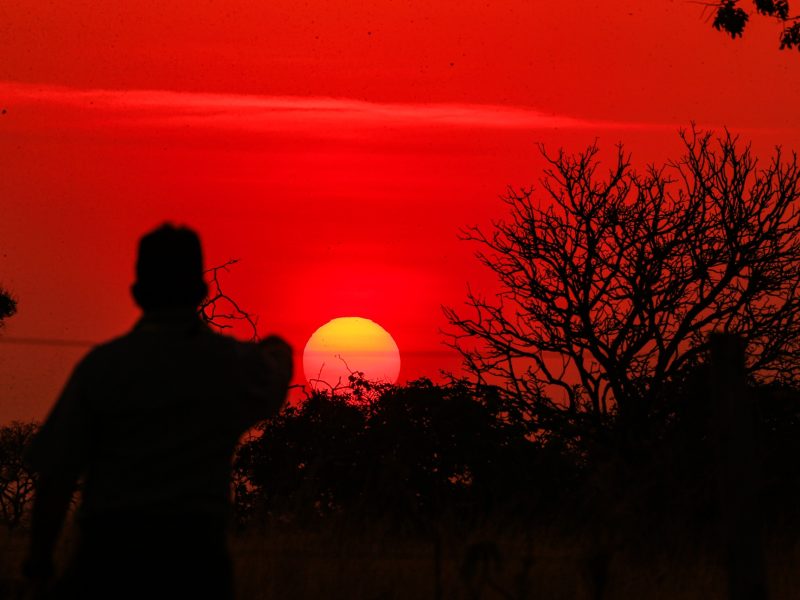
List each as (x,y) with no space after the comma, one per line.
(169,269)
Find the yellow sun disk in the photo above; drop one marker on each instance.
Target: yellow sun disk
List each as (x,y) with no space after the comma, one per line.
(350,344)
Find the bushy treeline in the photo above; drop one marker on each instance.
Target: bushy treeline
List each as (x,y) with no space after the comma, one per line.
(403,454)
(415,455)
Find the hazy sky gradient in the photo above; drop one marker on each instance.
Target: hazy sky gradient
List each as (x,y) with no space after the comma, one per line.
(334,148)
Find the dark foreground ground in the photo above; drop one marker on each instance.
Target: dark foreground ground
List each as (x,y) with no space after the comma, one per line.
(488,562)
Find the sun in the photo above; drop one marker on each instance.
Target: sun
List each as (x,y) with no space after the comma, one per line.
(348,344)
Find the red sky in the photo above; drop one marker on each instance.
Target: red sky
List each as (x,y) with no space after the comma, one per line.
(335,148)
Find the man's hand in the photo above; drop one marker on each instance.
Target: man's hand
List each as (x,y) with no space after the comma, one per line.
(280,355)
(50,506)
(37,569)
(39,574)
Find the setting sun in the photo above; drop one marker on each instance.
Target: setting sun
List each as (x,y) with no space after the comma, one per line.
(349,344)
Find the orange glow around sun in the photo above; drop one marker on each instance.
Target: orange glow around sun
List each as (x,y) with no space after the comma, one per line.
(348,344)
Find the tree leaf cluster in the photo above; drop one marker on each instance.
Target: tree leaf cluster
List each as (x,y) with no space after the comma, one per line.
(732,19)
(8,305)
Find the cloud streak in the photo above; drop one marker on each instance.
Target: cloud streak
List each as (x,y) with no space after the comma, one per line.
(285,113)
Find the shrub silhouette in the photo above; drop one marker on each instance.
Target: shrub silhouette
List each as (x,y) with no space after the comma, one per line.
(410,455)
(16,481)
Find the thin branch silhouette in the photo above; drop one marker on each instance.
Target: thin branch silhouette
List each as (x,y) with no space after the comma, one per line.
(220,310)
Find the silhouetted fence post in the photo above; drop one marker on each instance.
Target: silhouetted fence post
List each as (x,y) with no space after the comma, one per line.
(736,464)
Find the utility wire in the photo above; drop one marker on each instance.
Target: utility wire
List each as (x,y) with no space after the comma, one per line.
(88,344)
(46,342)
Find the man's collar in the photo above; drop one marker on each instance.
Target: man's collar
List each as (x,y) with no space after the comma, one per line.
(170,319)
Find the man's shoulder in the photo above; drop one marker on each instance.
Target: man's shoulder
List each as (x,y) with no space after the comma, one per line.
(100,352)
(115,345)
(133,345)
(139,334)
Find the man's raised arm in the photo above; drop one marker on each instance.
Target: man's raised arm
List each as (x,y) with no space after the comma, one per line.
(269,373)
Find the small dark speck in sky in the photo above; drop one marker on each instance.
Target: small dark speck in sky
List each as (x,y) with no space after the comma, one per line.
(4,111)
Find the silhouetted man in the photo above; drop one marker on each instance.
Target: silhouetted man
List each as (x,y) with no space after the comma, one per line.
(150,421)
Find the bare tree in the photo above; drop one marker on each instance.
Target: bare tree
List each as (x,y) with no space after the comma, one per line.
(610,283)
(16,482)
